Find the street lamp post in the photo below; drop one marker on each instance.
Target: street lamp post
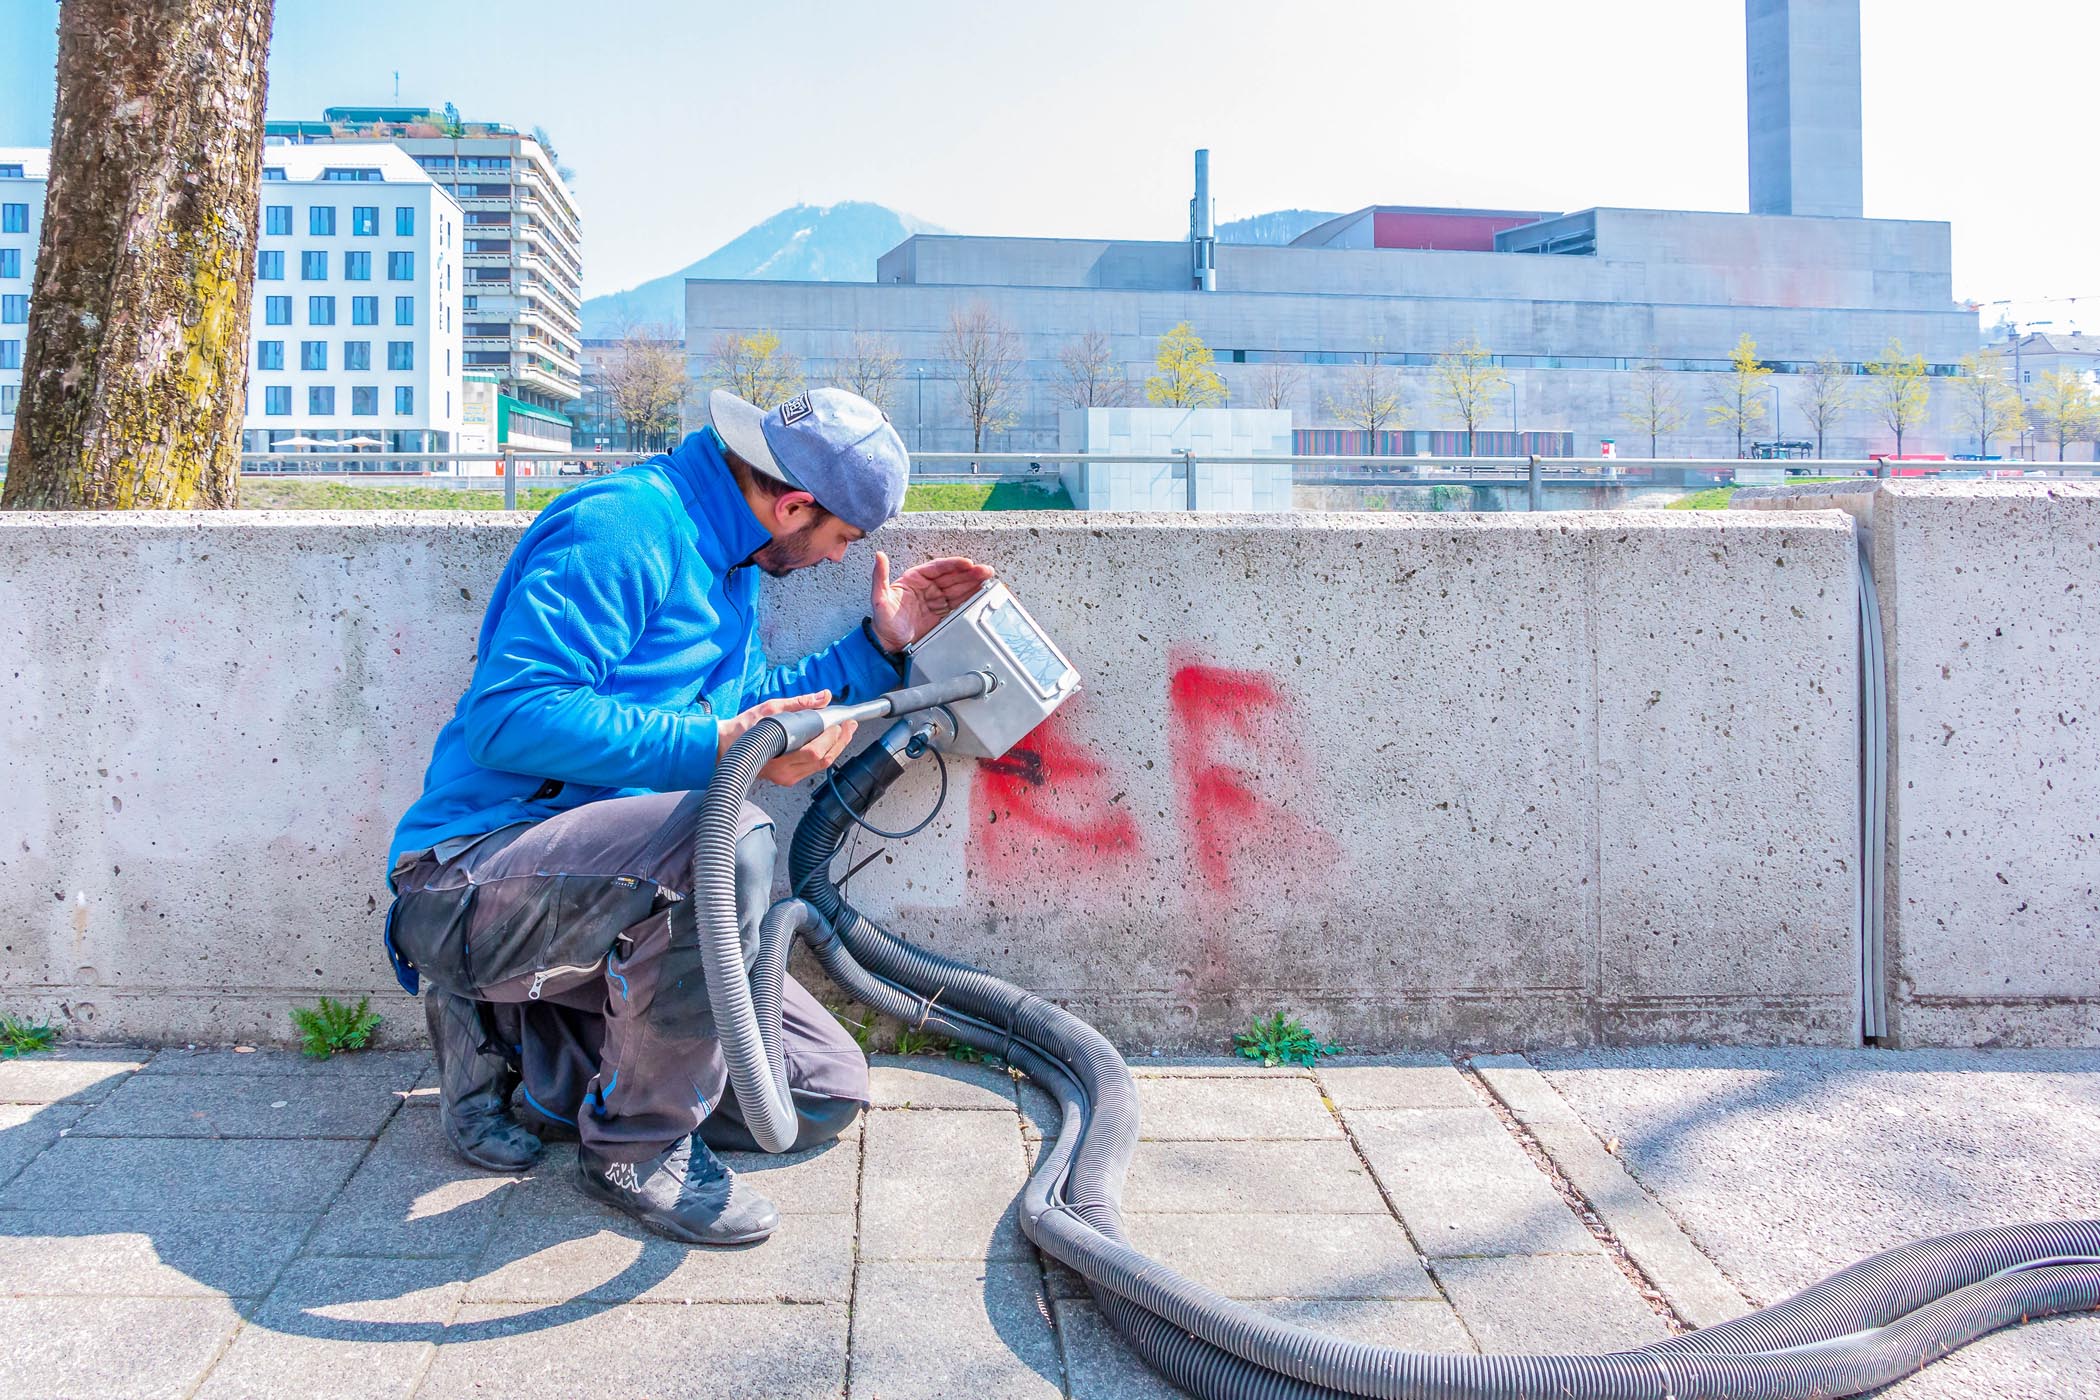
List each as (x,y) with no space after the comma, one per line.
(1777,436)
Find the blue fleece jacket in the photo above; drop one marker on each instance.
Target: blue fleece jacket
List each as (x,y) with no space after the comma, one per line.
(624,624)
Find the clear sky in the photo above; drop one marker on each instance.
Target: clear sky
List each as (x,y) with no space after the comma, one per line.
(687,121)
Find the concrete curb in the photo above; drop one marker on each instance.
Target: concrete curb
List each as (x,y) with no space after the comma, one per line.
(1692,1283)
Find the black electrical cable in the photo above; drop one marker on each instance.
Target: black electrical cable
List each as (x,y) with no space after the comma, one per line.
(831,780)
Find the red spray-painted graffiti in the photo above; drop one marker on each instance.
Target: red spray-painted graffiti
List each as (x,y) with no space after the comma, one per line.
(1049,806)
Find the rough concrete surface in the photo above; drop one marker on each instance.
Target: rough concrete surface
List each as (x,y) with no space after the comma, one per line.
(1430,780)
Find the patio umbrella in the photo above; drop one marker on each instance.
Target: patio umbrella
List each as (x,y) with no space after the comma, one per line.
(298,441)
(361,442)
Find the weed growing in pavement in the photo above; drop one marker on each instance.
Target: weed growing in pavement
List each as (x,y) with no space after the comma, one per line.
(862,1030)
(1275,1040)
(917,1042)
(24,1037)
(330,1026)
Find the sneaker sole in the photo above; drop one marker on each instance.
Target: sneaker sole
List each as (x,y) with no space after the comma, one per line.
(665,1225)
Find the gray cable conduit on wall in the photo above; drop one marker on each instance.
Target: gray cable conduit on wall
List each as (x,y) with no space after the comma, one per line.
(1866,1326)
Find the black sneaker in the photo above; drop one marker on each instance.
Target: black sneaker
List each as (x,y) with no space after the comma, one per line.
(684,1192)
(474,1088)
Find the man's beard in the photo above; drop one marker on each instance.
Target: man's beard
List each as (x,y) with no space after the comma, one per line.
(782,557)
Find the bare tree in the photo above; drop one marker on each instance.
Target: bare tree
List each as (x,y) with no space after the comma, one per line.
(1369,398)
(1467,383)
(644,380)
(872,369)
(138,328)
(987,358)
(1655,410)
(752,366)
(1827,393)
(1276,384)
(1087,375)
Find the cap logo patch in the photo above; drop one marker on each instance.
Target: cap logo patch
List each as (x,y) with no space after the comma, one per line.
(795,410)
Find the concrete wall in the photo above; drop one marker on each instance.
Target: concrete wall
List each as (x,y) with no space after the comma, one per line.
(1989,598)
(1433,781)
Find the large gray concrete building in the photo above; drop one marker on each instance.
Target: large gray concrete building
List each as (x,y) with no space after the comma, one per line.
(1571,305)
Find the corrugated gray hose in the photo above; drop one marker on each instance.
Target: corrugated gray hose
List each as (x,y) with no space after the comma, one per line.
(1868,1326)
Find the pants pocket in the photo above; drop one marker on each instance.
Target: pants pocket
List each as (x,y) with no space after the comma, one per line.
(428,930)
(555,921)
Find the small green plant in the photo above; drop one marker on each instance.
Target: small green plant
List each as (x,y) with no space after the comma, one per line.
(861,1031)
(918,1042)
(328,1026)
(970,1055)
(1277,1040)
(24,1037)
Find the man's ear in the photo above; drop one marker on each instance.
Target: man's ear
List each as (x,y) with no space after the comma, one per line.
(791,511)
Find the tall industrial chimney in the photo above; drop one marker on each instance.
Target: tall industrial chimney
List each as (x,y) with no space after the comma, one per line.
(1804,106)
(1203,239)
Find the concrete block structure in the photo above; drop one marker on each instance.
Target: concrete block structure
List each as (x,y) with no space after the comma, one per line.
(1158,432)
(1803,61)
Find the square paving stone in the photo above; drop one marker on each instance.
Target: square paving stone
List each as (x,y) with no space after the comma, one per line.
(1040,1115)
(1414,1325)
(1287,1256)
(110,1348)
(1212,1067)
(403,1067)
(85,1075)
(1410,1081)
(581,1351)
(138,1174)
(1464,1186)
(243,1106)
(1099,1365)
(1225,1109)
(1294,1178)
(171,1253)
(333,1329)
(413,1197)
(1552,1303)
(941,1185)
(612,1259)
(952,1331)
(821,1180)
(26,1129)
(922,1081)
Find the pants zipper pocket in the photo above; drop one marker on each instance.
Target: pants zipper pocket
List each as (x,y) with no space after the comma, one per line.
(539,978)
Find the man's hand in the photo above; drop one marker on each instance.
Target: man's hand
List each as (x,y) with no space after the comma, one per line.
(813,757)
(907,610)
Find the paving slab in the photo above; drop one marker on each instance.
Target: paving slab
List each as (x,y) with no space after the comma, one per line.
(1463,1185)
(340,1329)
(1571,1303)
(413,1197)
(821,1180)
(68,1074)
(111,1348)
(941,1185)
(1212,1067)
(1285,1256)
(923,1081)
(952,1330)
(582,1351)
(1396,1081)
(139,1174)
(1217,1108)
(1417,1326)
(1040,1116)
(1098,1364)
(166,1252)
(242,1106)
(1295,1178)
(26,1129)
(610,1259)
(402,1067)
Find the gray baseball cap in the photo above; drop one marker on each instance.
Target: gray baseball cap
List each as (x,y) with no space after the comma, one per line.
(833,444)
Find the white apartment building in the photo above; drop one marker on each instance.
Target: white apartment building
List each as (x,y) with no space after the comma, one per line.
(355,325)
(23,172)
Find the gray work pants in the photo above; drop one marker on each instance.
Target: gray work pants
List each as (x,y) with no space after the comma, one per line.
(578,931)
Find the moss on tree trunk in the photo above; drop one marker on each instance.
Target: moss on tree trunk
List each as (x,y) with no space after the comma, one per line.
(133,378)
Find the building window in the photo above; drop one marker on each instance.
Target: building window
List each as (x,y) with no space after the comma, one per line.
(320,221)
(404,311)
(10,395)
(277,219)
(320,400)
(313,265)
(364,401)
(14,218)
(352,174)
(10,262)
(401,267)
(10,172)
(277,311)
(269,265)
(273,172)
(400,354)
(277,400)
(364,221)
(320,311)
(357,354)
(14,310)
(404,399)
(10,354)
(269,354)
(470,303)
(357,267)
(313,354)
(404,221)
(364,311)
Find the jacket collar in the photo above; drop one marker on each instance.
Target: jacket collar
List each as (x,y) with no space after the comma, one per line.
(729,534)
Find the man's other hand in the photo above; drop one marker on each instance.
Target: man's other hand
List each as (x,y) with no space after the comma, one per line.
(813,757)
(907,610)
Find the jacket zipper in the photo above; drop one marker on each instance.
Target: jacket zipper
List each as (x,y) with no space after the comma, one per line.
(539,978)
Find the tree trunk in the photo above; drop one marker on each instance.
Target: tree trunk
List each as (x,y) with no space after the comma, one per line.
(133,380)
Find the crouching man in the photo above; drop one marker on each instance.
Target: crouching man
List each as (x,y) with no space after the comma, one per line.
(543,875)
